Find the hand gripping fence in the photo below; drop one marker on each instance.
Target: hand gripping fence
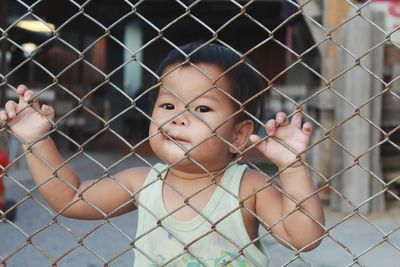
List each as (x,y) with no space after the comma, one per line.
(336,62)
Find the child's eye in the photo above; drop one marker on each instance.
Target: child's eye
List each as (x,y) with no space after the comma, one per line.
(203,109)
(167,106)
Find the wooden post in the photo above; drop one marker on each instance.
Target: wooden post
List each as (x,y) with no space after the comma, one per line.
(357,135)
(334,13)
(377,67)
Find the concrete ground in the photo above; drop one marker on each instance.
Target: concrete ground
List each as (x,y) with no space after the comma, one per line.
(351,242)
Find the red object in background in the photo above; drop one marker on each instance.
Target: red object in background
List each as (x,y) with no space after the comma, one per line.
(4,161)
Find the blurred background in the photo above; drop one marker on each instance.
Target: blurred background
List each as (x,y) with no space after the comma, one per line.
(94,61)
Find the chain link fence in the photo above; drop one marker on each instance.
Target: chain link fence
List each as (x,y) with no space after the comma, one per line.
(337,62)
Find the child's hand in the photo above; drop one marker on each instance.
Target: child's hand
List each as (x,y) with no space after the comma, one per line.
(291,134)
(23,117)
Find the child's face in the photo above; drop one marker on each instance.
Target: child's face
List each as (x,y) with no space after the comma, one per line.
(209,112)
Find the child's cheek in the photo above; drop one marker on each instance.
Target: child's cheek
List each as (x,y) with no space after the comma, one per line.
(159,120)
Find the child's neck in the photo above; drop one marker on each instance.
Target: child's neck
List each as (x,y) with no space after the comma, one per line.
(177,175)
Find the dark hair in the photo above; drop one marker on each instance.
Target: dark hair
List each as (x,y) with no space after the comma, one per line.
(244,81)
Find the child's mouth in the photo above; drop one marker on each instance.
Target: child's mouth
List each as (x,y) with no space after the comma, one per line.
(177,139)
(181,141)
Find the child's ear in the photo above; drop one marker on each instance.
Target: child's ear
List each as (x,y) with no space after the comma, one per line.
(242,132)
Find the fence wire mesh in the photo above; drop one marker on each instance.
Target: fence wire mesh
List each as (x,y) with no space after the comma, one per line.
(95,62)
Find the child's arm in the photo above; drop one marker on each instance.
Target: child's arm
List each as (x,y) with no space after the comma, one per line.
(298,229)
(60,185)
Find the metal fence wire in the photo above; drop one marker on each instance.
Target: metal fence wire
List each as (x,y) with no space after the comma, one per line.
(336,62)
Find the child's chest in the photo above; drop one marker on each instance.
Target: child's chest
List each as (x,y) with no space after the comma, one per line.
(185,206)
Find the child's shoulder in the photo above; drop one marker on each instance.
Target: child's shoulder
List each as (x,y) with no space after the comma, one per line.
(137,172)
(135,175)
(253,181)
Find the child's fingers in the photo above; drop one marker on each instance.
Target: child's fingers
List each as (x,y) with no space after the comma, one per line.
(28,95)
(259,144)
(270,126)
(3,115)
(48,111)
(281,119)
(307,128)
(296,119)
(11,109)
(21,89)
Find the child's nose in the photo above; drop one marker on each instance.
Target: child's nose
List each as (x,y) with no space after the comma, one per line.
(181,120)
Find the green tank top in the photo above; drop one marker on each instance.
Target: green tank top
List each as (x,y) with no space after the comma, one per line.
(214,238)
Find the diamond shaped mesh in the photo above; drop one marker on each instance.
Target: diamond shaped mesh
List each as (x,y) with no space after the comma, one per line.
(95,62)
